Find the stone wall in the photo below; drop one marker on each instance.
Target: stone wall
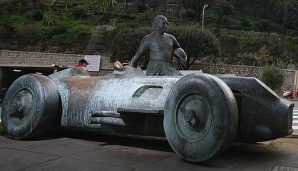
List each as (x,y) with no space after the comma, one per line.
(245,71)
(44,59)
(69,60)
(10,60)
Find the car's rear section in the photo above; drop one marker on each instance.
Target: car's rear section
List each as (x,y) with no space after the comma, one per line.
(262,114)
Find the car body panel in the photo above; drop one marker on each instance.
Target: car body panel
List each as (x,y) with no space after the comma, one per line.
(130,102)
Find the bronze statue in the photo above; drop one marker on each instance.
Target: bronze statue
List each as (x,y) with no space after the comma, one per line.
(161,47)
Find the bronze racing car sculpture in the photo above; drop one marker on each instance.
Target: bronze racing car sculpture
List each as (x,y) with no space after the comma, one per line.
(199,114)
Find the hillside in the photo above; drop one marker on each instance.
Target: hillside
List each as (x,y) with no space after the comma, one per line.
(247,35)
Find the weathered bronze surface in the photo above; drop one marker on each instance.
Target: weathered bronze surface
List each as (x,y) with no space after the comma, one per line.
(199,114)
(160,46)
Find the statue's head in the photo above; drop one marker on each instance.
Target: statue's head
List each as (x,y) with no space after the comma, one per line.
(160,24)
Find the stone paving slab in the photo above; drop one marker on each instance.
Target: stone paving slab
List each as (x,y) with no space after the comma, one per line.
(85,151)
(14,159)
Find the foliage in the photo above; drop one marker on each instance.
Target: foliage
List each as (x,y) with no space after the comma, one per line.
(153,3)
(273,77)
(277,9)
(197,43)
(189,14)
(49,17)
(196,5)
(72,34)
(78,13)
(230,43)
(250,44)
(27,35)
(290,20)
(245,23)
(249,60)
(266,25)
(276,48)
(16,21)
(126,43)
(50,31)
(141,7)
(37,15)
(127,25)
(223,8)
(7,31)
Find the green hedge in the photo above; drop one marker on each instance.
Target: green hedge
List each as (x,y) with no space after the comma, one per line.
(273,77)
(196,42)
(126,43)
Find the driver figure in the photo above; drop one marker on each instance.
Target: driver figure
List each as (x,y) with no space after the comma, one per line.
(160,46)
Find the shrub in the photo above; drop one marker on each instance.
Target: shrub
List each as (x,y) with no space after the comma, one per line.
(127,25)
(127,17)
(141,7)
(266,25)
(250,44)
(230,43)
(78,13)
(126,43)
(273,77)
(245,23)
(49,17)
(16,20)
(27,35)
(37,15)
(249,60)
(55,30)
(7,31)
(189,14)
(197,43)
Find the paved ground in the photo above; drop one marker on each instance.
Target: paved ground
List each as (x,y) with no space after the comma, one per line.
(65,150)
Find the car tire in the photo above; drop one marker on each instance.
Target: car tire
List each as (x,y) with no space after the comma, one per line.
(201,117)
(30,106)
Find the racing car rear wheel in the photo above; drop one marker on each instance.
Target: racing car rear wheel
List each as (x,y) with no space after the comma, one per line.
(29,107)
(201,117)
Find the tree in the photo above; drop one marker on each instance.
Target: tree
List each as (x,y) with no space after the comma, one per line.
(153,4)
(102,5)
(223,8)
(290,20)
(199,44)
(196,5)
(277,9)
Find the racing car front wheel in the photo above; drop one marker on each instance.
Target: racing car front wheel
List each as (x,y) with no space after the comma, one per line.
(29,107)
(201,117)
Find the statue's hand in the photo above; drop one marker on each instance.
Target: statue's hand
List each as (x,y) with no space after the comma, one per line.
(133,64)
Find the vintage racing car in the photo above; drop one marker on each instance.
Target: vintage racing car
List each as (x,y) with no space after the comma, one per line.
(199,114)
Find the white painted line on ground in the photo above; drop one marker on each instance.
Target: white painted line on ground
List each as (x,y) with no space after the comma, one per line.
(295,117)
(295,121)
(295,127)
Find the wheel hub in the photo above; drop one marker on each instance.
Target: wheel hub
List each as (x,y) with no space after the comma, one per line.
(193,117)
(190,117)
(21,106)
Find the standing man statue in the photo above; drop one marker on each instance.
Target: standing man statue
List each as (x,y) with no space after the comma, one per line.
(161,47)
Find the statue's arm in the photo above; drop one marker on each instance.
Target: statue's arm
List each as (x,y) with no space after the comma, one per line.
(144,46)
(175,43)
(178,51)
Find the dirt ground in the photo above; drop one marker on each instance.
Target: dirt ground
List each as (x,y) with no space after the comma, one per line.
(289,143)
